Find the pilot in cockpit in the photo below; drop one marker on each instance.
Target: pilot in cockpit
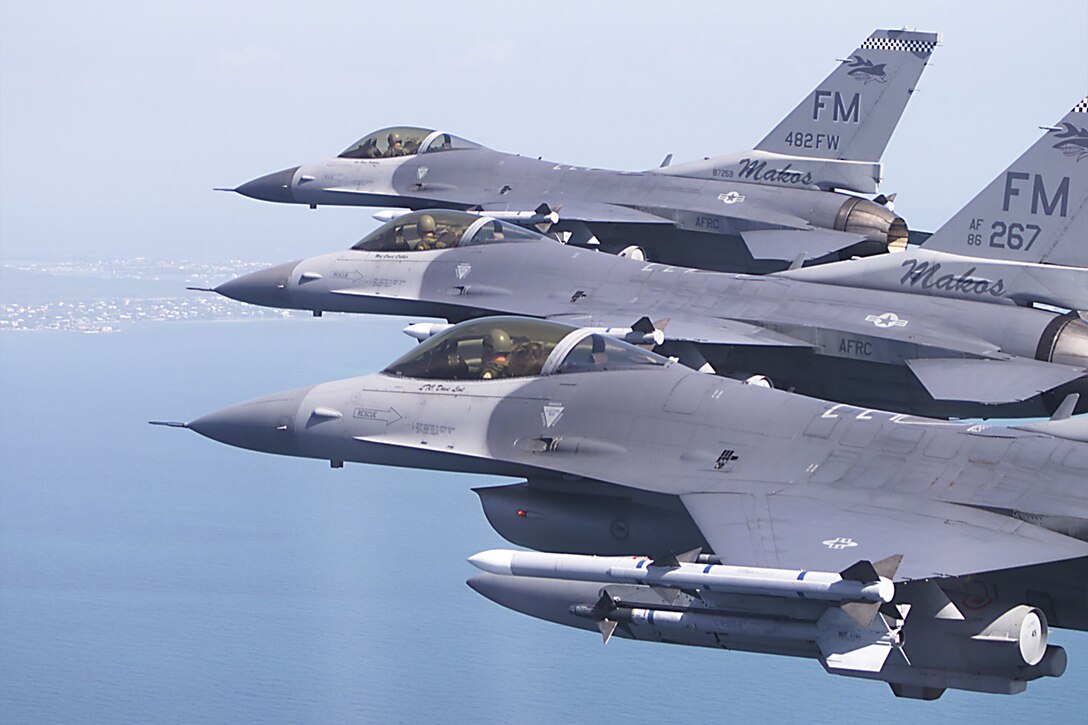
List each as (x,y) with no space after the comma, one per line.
(497,348)
(428,234)
(396,145)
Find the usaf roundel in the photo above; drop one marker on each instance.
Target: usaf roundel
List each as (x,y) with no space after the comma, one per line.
(888,319)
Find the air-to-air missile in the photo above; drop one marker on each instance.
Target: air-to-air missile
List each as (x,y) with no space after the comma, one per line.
(920,652)
(863,585)
(626,452)
(795,194)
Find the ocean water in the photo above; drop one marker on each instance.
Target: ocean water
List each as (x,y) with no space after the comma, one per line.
(151,575)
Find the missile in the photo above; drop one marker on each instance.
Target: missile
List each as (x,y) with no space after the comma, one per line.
(423,330)
(859,583)
(633,336)
(388,215)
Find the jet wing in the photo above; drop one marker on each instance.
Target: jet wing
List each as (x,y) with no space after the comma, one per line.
(716,331)
(828,530)
(990,381)
(791,243)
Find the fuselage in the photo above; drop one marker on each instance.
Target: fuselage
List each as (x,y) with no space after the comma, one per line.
(849,345)
(672,431)
(677,218)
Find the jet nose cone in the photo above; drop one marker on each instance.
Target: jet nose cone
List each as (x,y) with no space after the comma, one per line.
(266,287)
(264,424)
(272,187)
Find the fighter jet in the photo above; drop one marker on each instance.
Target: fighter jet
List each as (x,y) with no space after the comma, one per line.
(961,344)
(922,553)
(794,194)
(1022,240)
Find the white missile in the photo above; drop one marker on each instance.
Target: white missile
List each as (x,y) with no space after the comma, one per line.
(423,330)
(859,583)
(635,337)
(521,217)
(388,215)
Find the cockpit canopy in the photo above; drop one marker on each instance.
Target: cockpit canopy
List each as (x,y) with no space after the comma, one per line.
(404,141)
(518,347)
(441,229)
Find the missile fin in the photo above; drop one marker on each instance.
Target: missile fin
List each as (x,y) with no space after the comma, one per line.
(605,604)
(672,560)
(862,571)
(1065,410)
(668,594)
(643,325)
(861,612)
(691,556)
(887,567)
(929,598)
(607,627)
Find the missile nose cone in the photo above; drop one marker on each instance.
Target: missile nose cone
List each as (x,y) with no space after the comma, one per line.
(271,187)
(496,561)
(264,424)
(266,287)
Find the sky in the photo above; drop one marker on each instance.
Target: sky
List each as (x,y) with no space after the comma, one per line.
(117,119)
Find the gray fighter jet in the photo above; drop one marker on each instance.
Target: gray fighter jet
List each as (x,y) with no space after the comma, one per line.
(755,211)
(922,553)
(1023,239)
(948,338)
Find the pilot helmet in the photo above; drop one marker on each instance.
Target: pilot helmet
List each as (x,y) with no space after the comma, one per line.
(498,340)
(393,138)
(426,224)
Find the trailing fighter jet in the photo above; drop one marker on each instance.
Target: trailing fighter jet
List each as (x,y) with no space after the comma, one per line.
(1022,240)
(922,553)
(951,336)
(756,211)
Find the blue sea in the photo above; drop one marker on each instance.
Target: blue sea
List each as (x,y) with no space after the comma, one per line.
(151,575)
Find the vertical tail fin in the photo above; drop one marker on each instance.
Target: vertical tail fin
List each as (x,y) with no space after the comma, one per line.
(1035,210)
(851,115)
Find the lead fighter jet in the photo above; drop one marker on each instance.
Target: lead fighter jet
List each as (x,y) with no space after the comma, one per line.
(922,553)
(755,211)
(944,334)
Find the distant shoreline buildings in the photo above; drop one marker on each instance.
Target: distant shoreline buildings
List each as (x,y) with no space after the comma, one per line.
(114,313)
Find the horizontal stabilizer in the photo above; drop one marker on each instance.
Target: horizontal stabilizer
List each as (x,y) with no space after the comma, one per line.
(790,243)
(990,381)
